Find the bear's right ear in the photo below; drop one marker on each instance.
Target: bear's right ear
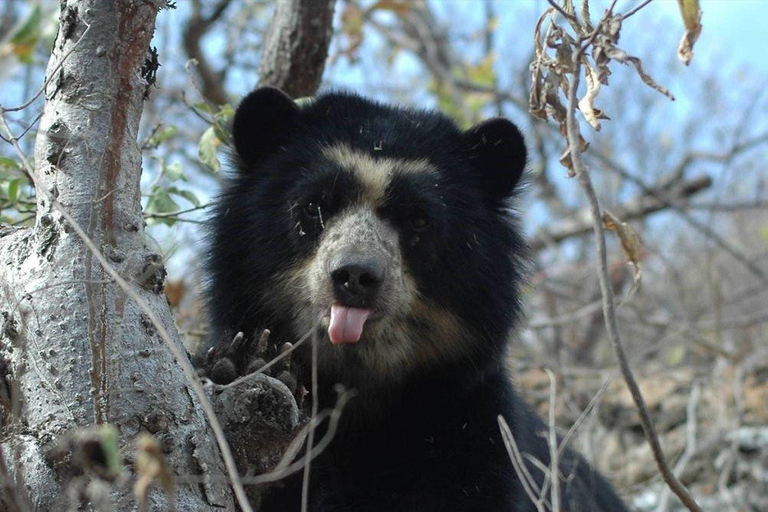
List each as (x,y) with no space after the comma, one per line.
(497,149)
(263,120)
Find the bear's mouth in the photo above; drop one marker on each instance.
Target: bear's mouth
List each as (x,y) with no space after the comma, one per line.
(346,323)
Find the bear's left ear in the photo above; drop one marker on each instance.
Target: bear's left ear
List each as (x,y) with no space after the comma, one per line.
(263,120)
(496,149)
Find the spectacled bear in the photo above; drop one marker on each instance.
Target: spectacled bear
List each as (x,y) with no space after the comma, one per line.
(387,233)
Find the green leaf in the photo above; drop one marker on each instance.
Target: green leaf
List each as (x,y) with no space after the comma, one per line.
(9,163)
(29,30)
(163,203)
(222,121)
(225,113)
(163,134)
(110,438)
(675,355)
(206,149)
(26,36)
(160,201)
(203,107)
(174,172)
(222,133)
(13,190)
(189,196)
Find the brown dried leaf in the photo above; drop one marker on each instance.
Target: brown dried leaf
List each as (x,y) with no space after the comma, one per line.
(620,55)
(565,157)
(175,290)
(612,28)
(691,13)
(555,108)
(630,243)
(352,21)
(692,19)
(536,98)
(587,103)
(572,20)
(150,466)
(399,7)
(565,161)
(585,16)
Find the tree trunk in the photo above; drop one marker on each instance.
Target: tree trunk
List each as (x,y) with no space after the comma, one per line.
(296,46)
(75,350)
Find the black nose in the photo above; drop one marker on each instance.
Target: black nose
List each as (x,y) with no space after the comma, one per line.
(356,280)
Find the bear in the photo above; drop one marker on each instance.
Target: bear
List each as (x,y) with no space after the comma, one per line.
(388,236)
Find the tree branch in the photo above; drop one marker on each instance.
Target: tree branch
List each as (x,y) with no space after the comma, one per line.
(573,137)
(581,223)
(296,46)
(197,27)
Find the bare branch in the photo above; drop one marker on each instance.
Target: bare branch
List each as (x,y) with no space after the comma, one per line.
(573,137)
(636,9)
(296,46)
(554,451)
(690,443)
(700,226)
(579,223)
(526,480)
(311,435)
(197,27)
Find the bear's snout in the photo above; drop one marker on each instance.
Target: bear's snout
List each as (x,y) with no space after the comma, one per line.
(356,279)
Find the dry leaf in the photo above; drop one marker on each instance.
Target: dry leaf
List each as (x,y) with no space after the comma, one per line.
(352,21)
(630,243)
(692,19)
(587,103)
(150,466)
(399,7)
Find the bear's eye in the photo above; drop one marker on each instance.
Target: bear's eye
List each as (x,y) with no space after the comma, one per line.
(418,223)
(312,209)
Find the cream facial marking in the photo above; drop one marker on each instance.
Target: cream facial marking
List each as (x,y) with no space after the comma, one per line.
(374,174)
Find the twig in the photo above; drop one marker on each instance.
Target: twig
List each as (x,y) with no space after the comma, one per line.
(180,212)
(583,416)
(48,78)
(579,223)
(311,435)
(738,400)
(609,308)
(562,11)
(565,319)
(690,443)
(526,480)
(285,353)
(554,451)
(732,207)
(284,470)
(197,27)
(680,209)
(633,11)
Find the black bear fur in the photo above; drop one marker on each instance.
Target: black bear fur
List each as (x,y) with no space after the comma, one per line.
(422,433)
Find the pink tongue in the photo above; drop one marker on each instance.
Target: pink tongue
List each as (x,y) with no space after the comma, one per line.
(347,324)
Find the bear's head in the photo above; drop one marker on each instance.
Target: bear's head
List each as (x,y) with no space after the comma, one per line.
(386,232)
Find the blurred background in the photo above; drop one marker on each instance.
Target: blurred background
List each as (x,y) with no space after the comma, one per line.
(688,175)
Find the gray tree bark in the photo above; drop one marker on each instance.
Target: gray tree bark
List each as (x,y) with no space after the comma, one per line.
(296,46)
(74,349)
